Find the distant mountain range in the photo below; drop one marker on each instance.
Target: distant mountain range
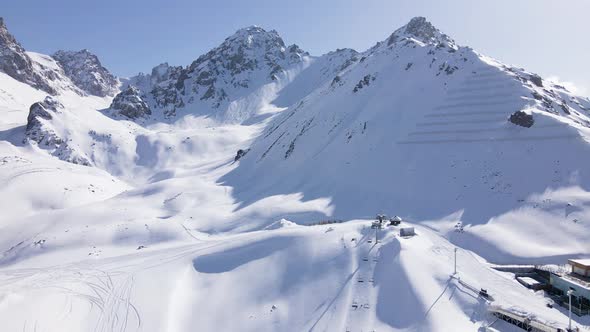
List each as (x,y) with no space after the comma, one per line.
(414,111)
(244,185)
(78,71)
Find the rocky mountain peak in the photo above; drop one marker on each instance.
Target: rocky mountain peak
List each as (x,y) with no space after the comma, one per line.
(251,47)
(255,36)
(5,36)
(15,62)
(247,59)
(423,31)
(87,73)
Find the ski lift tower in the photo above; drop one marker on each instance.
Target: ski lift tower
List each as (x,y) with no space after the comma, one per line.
(378,224)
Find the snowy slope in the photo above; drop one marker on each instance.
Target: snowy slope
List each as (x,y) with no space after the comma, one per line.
(294,278)
(166,229)
(420,127)
(33,182)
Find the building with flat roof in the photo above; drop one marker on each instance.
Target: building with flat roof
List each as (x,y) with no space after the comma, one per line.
(578,280)
(580,267)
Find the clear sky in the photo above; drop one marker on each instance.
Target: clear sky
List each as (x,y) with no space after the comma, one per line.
(550,37)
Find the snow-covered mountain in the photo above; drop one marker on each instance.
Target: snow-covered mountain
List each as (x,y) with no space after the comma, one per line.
(224,183)
(235,81)
(51,102)
(65,70)
(15,62)
(86,71)
(422,127)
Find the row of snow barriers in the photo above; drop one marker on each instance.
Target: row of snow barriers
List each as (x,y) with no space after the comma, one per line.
(524,322)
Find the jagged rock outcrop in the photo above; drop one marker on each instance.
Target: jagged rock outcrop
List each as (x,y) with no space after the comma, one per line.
(41,111)
(522,118)
(15,62)
(244,62)
(233,65)
(552,98)
(423,31)
(163,74)
(129,103)
(537,80)
(163,81)
(87,73)
(240,154)
(80,72)
(41,131)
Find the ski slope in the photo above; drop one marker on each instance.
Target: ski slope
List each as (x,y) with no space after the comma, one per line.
(290,278)
(423,132)
(164,230)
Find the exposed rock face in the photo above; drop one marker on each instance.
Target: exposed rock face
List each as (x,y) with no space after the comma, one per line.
(163,80)
(41,132)
(550,97)
(366,81)
(240,154)
(537,80)
(244,61)
(163,73)
(130,104)
(41,110)
(522,119)
(17,64)
(230,66)
(420,29)
(87,73)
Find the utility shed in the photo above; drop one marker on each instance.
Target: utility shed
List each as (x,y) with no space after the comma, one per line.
(395,221)
(407,231)
(580,267)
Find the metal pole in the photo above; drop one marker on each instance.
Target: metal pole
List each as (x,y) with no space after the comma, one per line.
(455,261)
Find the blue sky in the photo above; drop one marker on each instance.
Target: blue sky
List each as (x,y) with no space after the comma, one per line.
(546,36)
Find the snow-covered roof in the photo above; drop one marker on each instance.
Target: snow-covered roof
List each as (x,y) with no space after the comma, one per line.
(529,281)
(585,261)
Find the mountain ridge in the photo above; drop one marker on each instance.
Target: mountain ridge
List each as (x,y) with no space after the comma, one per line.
(281,180)
(79,71)
(16,63)
(87,73)
(380,133)
(245,61)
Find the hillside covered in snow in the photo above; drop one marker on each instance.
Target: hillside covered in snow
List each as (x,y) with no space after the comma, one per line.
(243,185)
(421,127)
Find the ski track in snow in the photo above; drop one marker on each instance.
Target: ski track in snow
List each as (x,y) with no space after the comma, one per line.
(166,231)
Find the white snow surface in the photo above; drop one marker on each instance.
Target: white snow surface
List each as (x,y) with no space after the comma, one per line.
(165,231)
